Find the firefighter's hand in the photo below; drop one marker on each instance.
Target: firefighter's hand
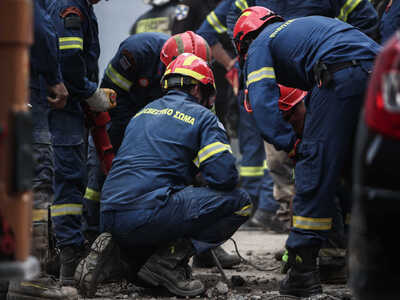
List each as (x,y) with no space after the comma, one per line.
(232,75)
(102,100)
(296,118)
(58,95)
(293,154)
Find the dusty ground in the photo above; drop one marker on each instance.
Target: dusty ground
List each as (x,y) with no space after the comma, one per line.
(258,280)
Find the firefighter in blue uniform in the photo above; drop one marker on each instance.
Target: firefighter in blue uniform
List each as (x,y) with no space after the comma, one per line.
(162,219)
(254,174)
(359,13)
(76,26)
(390,21)
(331,60)
(46,87)
(135,73)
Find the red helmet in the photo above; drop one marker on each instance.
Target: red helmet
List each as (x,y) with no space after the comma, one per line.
(189,69)
(186,42)
(250,20)
(289,97)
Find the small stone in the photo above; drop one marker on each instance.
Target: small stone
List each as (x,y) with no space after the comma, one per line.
(222,288)
(237,280)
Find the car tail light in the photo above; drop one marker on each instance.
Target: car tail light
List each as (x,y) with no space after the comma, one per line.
(382,107)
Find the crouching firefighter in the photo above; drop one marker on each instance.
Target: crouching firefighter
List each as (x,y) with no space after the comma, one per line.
(162,220)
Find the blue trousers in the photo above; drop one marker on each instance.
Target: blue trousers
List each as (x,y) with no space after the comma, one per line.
(330,123)
(207,217)
(68,132)
(254,174)
(91,200)
(42,149)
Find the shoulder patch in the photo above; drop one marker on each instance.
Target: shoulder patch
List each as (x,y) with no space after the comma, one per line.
(72,17)
(127,61)
(181,12)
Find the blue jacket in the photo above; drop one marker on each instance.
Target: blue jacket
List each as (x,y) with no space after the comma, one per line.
(215,23)
(44,54)
(390,21)
(359,13)
(285,53)
(76,25)
(165,145)
(135,70)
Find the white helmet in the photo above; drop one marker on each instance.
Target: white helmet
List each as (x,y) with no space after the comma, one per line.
(156,2)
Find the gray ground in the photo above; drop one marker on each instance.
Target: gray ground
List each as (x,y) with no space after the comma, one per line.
(255,281)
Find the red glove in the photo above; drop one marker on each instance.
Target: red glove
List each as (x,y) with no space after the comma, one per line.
(232,75)
(293,153)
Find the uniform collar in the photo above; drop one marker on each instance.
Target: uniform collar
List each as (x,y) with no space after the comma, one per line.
(184,94)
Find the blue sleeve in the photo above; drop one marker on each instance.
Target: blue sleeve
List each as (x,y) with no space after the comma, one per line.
(215,159)
(45,57)
(215,23)
(359,13)
(74,66)
(235,10)
(263,93)
(390,21)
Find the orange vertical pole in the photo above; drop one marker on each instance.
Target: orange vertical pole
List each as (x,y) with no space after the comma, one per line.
(16,35)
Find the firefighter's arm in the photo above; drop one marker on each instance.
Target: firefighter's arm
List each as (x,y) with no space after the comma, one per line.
(235,10)
(214,157)
(263,94)
(71,45)
(361,14)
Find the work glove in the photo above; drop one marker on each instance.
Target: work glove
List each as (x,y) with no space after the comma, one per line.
(102,100)
(293,154)
(232,75)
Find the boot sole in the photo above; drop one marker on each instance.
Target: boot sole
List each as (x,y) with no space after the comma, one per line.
(157,280)
(17,296)
(89,288)
(315,290)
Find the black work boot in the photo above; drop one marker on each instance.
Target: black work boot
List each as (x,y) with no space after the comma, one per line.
(43,287)
(332,266)
(101,263)
(168,268)
(302,279)
(39,289)
(206,260)
(70,256)
(268,221)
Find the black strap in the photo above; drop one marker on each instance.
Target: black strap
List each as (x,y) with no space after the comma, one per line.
(323,73)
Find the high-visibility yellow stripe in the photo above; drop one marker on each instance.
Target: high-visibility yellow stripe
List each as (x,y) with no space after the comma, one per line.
(253,171)
(209,151)
(92,195)
(312,223)
(40,215)
(118,79)
(190,73)
(245,211)
(215,23)
(347,8)
(245,171)
(189,60)
(241,4)
(266,72)
(66,209)
(70,43)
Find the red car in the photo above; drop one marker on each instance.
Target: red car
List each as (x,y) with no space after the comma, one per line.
(373,255)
